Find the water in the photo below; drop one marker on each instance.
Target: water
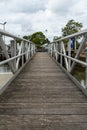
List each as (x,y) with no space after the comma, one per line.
(80,78)
(4,68)
(5,76)
(82,83)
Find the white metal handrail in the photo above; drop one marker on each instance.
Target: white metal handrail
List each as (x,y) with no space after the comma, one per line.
(62,51)
(10,59)
(24,52)
(83,32)
(73,59)
(2,32)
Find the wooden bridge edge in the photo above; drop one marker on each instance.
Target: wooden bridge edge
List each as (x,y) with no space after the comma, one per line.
(2,89)
(76,82)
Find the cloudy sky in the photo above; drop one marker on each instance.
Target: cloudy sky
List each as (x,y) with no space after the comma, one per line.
(25,17)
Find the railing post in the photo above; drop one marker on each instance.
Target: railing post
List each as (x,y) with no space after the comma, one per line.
(64,52)
(86,68)
(75,45)
(2,45)
(31,50)
(61,57)
(23,52)
(27,49)
(69,54)
(51,49)
(82,43)
(29,53)
(56,48)
(34,49)
(13,52)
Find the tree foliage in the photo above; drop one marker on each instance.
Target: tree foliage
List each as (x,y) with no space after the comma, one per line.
(55,38)
(38,38)
(27,37)
(18,41)
(71,27)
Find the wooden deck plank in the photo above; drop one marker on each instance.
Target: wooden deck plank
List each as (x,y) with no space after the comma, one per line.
(42,97)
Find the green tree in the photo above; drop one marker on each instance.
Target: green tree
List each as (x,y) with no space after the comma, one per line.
(56,38)
(71,27)
(38,38)
(18,41)
(27,37)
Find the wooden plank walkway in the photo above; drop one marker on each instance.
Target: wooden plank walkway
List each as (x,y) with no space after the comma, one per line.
(42,97)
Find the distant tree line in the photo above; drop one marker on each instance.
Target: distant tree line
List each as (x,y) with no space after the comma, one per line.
(38,38)
(70,28)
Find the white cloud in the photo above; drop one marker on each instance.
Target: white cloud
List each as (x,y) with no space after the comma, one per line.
(26,6)
(61,7)
(24,17)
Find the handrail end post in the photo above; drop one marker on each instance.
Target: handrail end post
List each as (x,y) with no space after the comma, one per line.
(86,68)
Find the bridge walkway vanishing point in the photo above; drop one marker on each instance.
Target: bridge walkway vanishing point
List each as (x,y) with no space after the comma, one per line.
(42,97)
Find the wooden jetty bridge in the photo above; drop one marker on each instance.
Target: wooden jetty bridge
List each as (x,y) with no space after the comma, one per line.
(42,94)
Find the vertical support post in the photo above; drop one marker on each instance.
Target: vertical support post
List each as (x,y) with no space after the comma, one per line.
(33,49)
(58,49)
(22,52)
(48,48)
(15,46)
(18,59)
(54,50)
(51,49)
(64,52)
(83,42)
(29,53)
(26,49)
(86,68)
(61,57)
(2,44)
(75,45)
(30,50)
(69,54)
(56,45)
(13,52)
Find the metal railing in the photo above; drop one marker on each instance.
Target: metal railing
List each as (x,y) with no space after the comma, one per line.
(67,55)
(20,53)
